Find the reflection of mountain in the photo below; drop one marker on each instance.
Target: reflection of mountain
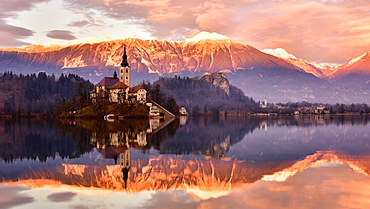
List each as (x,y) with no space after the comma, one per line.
(360,164)
(277,149)
(206,179)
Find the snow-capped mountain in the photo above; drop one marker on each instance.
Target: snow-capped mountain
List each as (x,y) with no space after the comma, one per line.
(275,74)
(205,51)
(356,71)
(203,36)
(313,68)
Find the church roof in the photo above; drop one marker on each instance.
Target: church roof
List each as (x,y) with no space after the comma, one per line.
(124,58)
(135,89)
(108,81)
(119,85)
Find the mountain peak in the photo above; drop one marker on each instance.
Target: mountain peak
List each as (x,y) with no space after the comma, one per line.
(207,36)
(279,52)
(356,59)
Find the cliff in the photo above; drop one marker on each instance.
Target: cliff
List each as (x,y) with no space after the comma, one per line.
(217,80)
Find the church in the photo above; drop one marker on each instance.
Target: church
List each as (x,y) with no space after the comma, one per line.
(117,88)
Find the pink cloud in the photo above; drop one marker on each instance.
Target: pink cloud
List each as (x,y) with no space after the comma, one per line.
(61,34)
(322,31)
(10,35)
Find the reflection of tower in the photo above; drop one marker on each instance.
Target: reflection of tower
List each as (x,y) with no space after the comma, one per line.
(263,125)
(125,163)
(182,120)
(125,70)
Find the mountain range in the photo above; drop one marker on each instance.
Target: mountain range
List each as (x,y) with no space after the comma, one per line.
(271,73)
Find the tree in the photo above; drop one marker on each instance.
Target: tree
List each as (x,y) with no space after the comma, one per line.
(172,106)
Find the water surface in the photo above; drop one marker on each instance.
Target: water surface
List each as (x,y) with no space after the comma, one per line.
(187,162)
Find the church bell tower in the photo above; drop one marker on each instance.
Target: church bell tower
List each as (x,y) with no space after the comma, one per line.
(125,70)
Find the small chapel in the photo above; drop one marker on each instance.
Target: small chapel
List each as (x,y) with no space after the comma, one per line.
(118,89)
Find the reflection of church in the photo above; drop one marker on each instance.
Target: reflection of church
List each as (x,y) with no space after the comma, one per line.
(119,144)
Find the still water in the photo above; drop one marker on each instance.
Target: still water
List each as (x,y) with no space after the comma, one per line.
(187,162)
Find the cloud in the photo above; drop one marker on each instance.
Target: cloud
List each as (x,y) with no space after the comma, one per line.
(12,7)
(11,35)
(81,23)
(61,197)
(319,30)
(61,34)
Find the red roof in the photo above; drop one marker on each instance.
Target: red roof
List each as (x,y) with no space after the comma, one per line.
(135,89)
(108,81)
(119,85)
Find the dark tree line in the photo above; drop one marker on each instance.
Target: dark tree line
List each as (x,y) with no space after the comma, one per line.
(36,139)
(155,93)
(40,93)
(198,96)
(317,108)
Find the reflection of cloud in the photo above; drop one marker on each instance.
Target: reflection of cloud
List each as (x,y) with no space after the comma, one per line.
(10,196)
(325,187)
(79,207)
(171,199)
(61,34)
(61,197)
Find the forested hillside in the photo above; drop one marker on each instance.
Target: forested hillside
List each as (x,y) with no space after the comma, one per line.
(39,93)
(199,96)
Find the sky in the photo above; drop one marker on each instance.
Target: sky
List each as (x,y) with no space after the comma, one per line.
(323,31)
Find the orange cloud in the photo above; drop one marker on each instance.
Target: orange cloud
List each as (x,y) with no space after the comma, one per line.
(319,30)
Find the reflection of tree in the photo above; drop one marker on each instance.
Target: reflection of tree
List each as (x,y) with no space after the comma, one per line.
(39,139)
(213,137)
(204,135)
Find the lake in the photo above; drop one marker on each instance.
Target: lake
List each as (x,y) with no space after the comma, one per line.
(188,162)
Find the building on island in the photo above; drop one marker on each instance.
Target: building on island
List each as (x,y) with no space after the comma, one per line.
(117,88)
(137,94)
(119,93)
(217,73)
